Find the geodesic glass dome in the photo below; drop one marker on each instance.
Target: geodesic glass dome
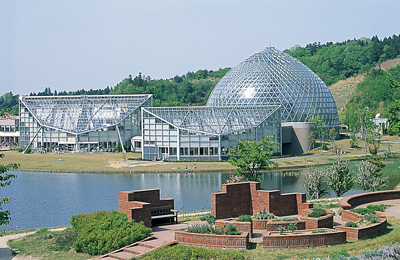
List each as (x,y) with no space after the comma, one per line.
(272,77)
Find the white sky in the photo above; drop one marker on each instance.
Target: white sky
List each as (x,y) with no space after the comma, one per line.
(75,44)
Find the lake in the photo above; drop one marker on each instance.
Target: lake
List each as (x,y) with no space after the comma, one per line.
(50,199)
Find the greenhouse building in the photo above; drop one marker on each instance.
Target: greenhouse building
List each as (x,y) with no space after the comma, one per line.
(80,123)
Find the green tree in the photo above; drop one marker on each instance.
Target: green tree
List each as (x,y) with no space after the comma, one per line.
(5,180)
(340,179)
(315,182)
(321,131)
(251,157)
(366,178)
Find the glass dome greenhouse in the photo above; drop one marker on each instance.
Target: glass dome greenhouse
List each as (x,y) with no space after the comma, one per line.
(272,77)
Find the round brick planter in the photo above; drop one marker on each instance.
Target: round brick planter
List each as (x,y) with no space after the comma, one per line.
(358,233)
(212,240)
(271,225)
(331,237)
(240,226)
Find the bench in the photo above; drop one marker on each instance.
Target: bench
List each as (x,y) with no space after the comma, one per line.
(164,212)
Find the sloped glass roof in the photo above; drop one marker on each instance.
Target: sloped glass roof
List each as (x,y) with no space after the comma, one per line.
(272,77)
(80,114)
(213,120)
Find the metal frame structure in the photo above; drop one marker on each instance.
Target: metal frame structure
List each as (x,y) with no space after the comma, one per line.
(70,120)
(272,77)
(205,133)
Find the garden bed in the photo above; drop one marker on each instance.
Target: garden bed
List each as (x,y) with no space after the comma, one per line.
(362,232)
(274,240)
(242,226)
(213,241)
(320,222)
(271,225)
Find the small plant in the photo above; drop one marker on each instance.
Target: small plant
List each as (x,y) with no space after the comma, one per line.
(380,207)
(319,231)
(230,230)
(317,212)
(363,211)
(371,218)
(292,227)
(201,229)
(209,218)
(281,230)
(350,224)
(287,219)
(264,215)
(244,218)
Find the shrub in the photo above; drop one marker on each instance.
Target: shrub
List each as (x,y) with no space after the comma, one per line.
(363,211)
(380,207)
(102,232)
(65,240)
(351,224)
(371,218)
(317,212)
(264,215)
(244,218)
(281,230)
(209,229)
(209,218)
(285,219)
(319,231)
(292,227)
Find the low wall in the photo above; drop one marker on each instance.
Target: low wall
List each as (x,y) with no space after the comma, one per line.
(304,240)
(270,225)
(358,199)
(321,222)
(245,227)
(348,215)
(212,241)
(355,234)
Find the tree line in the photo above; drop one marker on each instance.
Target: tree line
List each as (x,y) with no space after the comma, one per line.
(336,61)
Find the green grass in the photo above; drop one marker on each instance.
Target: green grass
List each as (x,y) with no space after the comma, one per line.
(47,245)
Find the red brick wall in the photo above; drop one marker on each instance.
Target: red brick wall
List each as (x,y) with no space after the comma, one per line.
(321,222)
(358,199)
(348,215)
(303,240)
(212,241)
(246,199)
(233,201)
(141,212)
(355,234)
(245,227)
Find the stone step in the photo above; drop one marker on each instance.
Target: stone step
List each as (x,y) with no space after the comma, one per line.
(122,255)
(136,249)
(153,243)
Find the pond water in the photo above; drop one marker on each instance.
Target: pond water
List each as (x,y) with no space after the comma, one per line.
(50,199)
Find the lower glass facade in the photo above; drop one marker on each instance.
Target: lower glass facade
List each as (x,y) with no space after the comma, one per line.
(164,140)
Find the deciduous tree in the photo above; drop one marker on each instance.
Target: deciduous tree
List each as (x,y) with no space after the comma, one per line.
(339,177)
(251,157)
(315,182)
(5,180)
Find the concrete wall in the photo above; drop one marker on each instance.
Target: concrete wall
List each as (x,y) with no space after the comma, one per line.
(295,137)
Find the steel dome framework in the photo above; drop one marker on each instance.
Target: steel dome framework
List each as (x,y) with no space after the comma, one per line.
(272,77)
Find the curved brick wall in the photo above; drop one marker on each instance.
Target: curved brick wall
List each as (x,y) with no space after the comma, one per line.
(358,199)
(304,240)
(240,226)
(348,215)
(321,222)
(355,234)
(212,241)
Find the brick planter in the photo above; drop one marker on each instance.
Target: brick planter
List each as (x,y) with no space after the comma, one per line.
(213,241)
(321,222)
(373,230)
(240,226)
(271,225)
(304,240)
(348,215)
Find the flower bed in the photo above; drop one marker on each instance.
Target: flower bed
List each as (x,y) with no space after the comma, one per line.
(240,226)
(357,233)
(212,240)
(273,240)
(321,222)
(271,225)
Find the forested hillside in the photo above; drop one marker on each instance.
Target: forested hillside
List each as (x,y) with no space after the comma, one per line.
(336,61)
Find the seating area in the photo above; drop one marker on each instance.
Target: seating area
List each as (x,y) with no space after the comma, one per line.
(146,206)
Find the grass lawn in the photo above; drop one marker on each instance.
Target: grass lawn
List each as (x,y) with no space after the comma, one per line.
(47,245)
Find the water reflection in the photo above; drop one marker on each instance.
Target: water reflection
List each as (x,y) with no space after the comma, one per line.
(45,199)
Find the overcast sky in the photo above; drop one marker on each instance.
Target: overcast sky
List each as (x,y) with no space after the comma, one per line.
(70,45)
